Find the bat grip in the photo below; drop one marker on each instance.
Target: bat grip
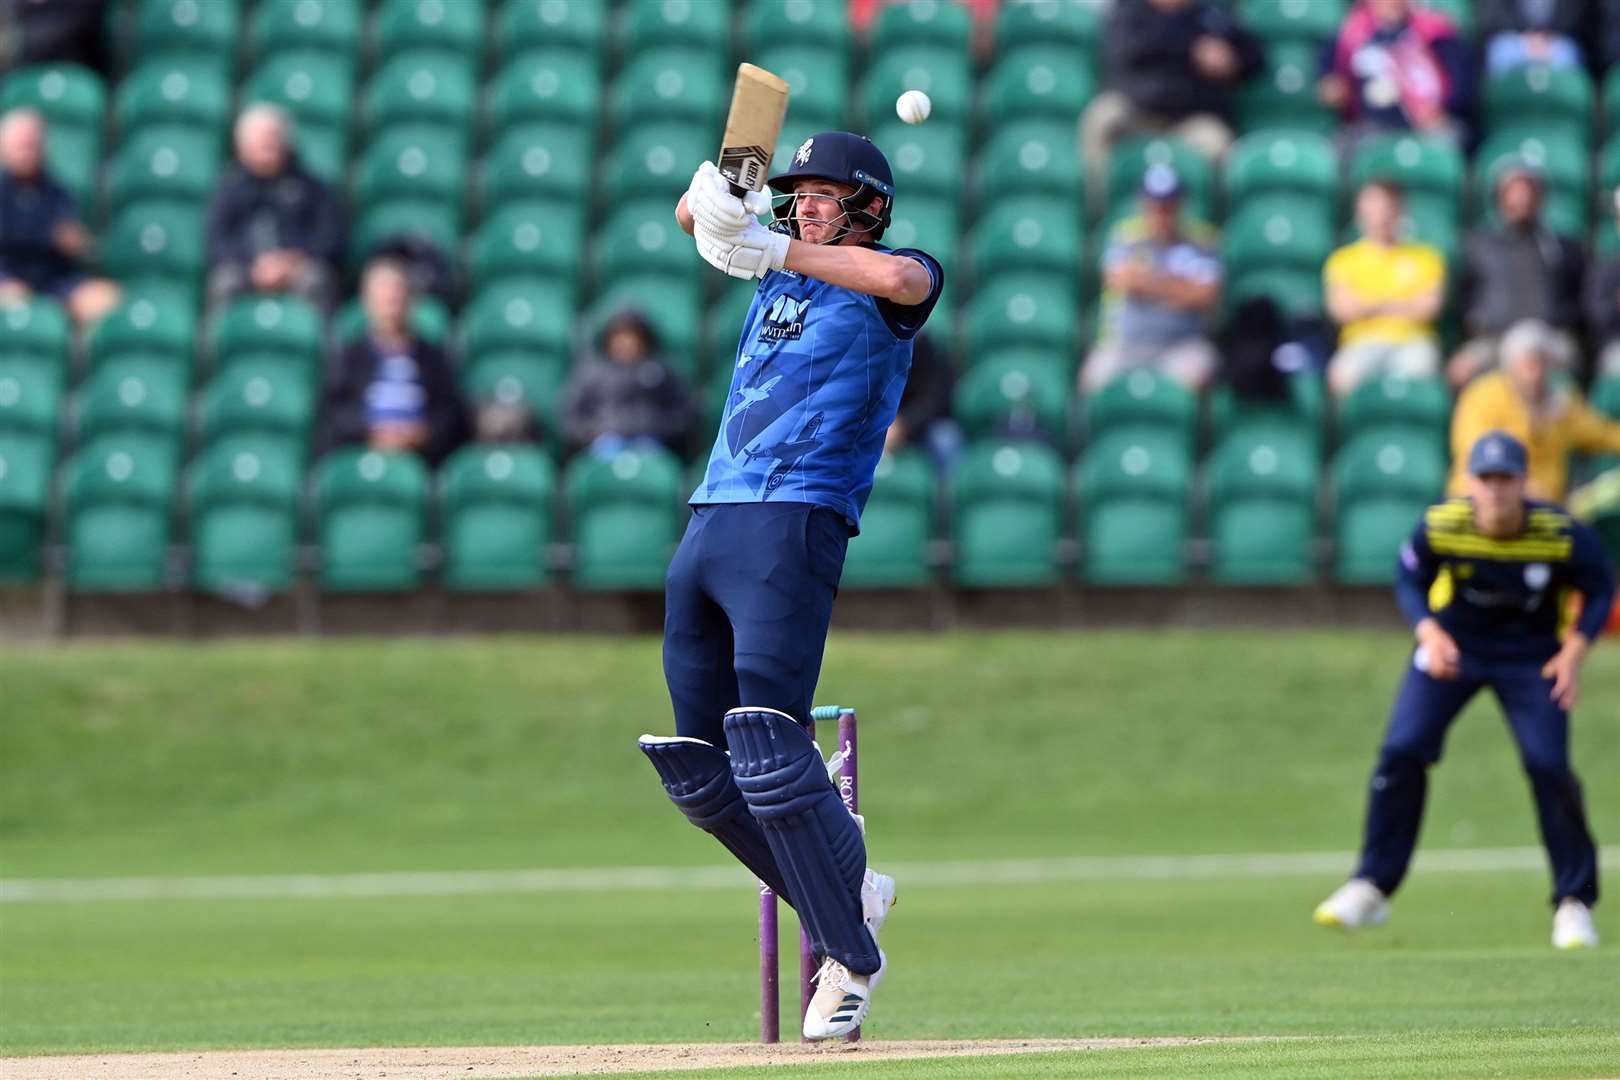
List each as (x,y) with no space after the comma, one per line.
(737,189)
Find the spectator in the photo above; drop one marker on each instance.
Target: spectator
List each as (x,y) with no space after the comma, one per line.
(1396,66)
(272,226)
(1520,32)
(390,389)
(1603,306)
(1548,415)
(53,31)
(924,418)
(1385,294)
(1518,269)
(625,394)
(1161,281)
(42,241)
(1171,66)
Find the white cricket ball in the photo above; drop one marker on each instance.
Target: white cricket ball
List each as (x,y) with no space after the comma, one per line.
(913,106)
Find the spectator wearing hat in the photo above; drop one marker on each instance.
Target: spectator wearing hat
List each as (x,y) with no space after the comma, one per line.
(1398,66)
(1171,66)
(1162,281)
(1603,306)
(1521,32)
(1385,293)
(42,241)
(1545,413)
(1517,269)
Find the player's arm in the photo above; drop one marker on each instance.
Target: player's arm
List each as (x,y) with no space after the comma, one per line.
(1591,574)
(1415,572)
(899,279)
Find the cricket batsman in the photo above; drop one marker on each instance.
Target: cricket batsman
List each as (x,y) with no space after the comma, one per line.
(821,362)
(1483,580)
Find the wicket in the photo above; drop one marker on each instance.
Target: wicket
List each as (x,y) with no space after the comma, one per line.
(770,997)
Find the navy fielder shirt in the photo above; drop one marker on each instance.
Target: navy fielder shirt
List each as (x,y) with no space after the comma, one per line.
(818,377)
(1503,599)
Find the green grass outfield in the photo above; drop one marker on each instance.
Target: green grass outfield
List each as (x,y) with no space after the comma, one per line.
(341,757)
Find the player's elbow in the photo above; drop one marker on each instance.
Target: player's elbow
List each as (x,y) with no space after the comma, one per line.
(906,282)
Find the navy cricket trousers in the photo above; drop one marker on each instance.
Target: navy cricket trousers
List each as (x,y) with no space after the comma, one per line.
(1424,710)
(747,602)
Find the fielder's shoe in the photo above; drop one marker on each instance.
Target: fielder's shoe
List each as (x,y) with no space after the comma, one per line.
(1354,905)
(842,999)
(1572,926)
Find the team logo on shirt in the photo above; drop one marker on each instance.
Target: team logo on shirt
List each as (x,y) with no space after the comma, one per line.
(785,320)
(1536,575)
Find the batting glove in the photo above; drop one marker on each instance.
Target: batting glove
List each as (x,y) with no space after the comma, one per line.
(714,207)
(750,253)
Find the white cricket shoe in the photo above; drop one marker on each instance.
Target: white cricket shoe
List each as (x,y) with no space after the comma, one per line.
(1354,905)
(1572,926)
(842,999)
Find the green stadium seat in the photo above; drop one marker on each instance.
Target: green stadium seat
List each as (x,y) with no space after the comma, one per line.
(34,328)
(67,95)
(243,518)
(940,23)
(520,379)
(1014,395)
(642,238)
(823,23)
(30,399)
(655,160)
(259,403)
(119,502)
(163,164)
(930,223)
(926,160)
(134,397)
(173,91)
(1278,232)
(316,88)
(422,164)
(1419,406)
(525,25)
(370,517)
(421,88)
(512,315)
(151,324)
(1309,22)
(1143,401)
(430,320)
(1297,292)
(1072,24)
(1304,413)
(1134,156)
(1383,480)
(25,480)
(669,86)
(533,239)
(432,25)
(626,516)
(329,26)
(1262,509)
(891,551)
(555,86)
(1026,234)
(677,316)
(541,161)
(199,29)
(270,325)
(1133,487)
(1283,95)
(1564,162)
(1030,159)
(818,79)
(945,74)
(715,394)
(1299,163)
(324,152)
(1539,97)
(496,502)
(1028,309)
(688,24)
(1611,101)
(1429,170)
(1037,82)
(156,242)
(391,218)
(1009,515)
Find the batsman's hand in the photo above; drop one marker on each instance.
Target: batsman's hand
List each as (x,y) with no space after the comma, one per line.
(713,206)
(1564,670)
(751,252)
(1441,659)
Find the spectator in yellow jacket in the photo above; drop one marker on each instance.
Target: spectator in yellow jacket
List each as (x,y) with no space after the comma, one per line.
(1549,417)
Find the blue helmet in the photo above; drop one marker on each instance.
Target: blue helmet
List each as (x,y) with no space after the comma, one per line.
(843,158)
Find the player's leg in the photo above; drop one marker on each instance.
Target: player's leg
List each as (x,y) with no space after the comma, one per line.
(1424,709)
(693,765)
(1541,730)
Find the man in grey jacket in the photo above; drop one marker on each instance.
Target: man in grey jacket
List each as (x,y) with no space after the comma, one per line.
(624,394)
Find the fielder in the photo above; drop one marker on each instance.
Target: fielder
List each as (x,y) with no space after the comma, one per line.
(820,366)
(1483,582)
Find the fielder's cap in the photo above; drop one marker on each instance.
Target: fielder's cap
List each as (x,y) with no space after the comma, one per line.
(1497,453)
(1161,182)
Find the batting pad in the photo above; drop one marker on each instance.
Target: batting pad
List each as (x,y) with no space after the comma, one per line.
(697,777)
(815,840)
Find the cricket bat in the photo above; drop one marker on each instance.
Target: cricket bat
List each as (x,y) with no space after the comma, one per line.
(759,101)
